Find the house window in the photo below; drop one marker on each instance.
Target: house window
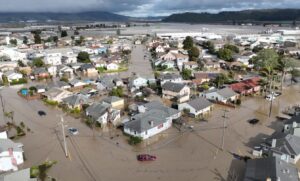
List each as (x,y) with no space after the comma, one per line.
(135,132)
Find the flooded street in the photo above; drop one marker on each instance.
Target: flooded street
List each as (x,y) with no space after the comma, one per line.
(182,155)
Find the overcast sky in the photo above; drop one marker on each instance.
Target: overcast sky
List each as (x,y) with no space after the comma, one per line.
(142,7)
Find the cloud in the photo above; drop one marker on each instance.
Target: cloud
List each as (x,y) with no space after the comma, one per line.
(141,7)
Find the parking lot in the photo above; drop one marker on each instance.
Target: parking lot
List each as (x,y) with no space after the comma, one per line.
(182,155)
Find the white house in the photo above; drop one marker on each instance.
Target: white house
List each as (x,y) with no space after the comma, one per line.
(170,77)
(159,49)
(11,76)
(137,82)
(57,94)
(224,95)
(112,66)
(12,53)
(11,155)
(197,107)
(180,59)
(153,119)
(52,58)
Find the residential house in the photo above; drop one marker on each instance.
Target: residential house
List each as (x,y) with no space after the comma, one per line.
(52,70)
(160,49)
(201,77)
(246,87)
(136,82)
(52,58)
(108,82)
(152,119)
(115,102)
(64,70)
(292,126)
(75,83)
(270,169)
(103,113)
(225,95)
(284,146)
(176,91)
(190,65)
(40,73)
(11,155)
(180,59)
(88,69)
(197,107)
(12,76)
(57,94)
(112,66)
(170,77)
(75,101)
(20,175)
(40,88)
(60,84)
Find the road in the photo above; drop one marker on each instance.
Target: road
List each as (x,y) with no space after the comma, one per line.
(139,64)
(190,155)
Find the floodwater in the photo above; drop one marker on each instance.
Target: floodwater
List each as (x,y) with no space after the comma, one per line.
(182,155)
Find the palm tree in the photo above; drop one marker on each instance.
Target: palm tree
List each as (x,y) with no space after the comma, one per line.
(267,61)
(284,65)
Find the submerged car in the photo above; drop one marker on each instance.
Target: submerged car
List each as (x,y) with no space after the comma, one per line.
(42,113)
(253,121)
(73,131)
(146,157)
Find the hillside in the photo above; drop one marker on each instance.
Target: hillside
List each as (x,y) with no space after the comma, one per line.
(270,15)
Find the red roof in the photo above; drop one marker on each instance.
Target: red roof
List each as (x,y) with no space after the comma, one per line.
(245,85)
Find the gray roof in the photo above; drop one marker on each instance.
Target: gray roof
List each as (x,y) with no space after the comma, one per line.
(271,167)
(226,92)
(287,144)
(169,76)
(59,84)
(142,122)
(174,87)
(75,100)
(295,118)
(21,175)
(199,103)
(96,110)
(155,111)
(111,99)
(39,70)
(5,144)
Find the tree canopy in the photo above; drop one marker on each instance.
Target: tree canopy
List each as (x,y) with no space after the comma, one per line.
(193,53)
(233,48)
(83,57)
(38,62)
(186,74)
(64,33)
(188,43)
(225,54)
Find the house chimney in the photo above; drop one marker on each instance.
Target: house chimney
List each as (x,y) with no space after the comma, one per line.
(151,123)
(273,143)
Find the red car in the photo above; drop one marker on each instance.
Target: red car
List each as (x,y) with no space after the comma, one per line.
(146,157)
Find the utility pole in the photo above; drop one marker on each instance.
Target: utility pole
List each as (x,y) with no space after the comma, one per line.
(224,127)
(272,97)
(64,136)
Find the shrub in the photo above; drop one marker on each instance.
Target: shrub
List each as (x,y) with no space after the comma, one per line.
(50,102)
(239,102)
(134,140)
(20,81)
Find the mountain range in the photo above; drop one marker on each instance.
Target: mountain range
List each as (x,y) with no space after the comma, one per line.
(266,15)
(225,17)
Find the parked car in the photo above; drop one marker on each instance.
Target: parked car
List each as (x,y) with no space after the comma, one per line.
(270,97)
(146,157)
(42,113)
(73,131)
(253,121)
